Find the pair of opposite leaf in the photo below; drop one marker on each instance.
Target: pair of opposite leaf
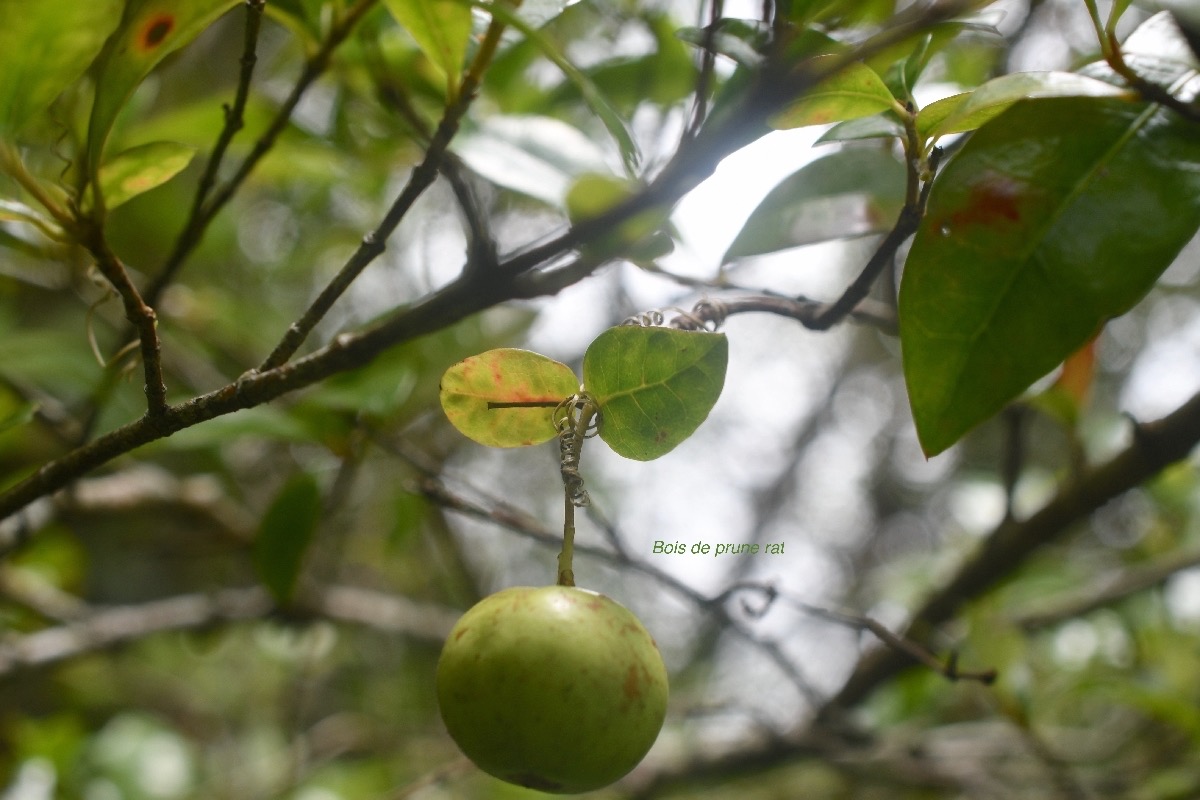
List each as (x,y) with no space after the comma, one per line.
(653,388)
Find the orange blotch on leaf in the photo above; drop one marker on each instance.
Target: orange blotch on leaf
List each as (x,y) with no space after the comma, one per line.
(996,199)
(154,31)
(1079,373)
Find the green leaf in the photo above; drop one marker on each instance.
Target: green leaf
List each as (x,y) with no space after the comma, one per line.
(53,359)
(664,76)
(441,28)
(537,156)
(301,17)
(971,110)
(595,193)
(149,31)
(854,91)
(141,169)
(879,126)
(597,102)
(285,533)
(1058,215)
(506,397)
(654,386)
(45,46)
(851,192)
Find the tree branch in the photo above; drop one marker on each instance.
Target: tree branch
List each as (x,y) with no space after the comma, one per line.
(105,628)
(26,588)
(110,627)
(419,180)
(466,296)
(906,225)
(234,121)
(900,645)
(1107,590)
(139,314)
(1155,446)
(454,302)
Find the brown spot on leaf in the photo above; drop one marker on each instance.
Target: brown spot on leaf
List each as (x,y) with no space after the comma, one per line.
(155,30)
(995,199)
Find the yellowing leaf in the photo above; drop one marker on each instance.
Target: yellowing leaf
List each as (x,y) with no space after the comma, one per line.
(506,397)
(141,169)
(149,31)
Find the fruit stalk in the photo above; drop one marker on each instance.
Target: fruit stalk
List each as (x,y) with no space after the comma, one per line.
(579,413)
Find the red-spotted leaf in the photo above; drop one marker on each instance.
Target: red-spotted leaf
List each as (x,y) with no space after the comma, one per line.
(1056,216)
(654,386)
(149,31)
(506,397)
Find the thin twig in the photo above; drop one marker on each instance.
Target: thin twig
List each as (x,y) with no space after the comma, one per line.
(374,243)
(1107,590)
(26,588)
(234,122)
(804,310)
(948,668)
(906,225)
(139,314)
(204,213)
(482,256)
(708,63)
(734,299)
(105,628)
(510,518)
(1155,445)
(460,298)
(1110,47)
(1012,462)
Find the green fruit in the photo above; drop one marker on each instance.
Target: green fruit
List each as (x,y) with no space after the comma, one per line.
(555,688)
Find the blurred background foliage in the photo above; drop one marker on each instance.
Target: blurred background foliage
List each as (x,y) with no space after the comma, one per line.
(165,673)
